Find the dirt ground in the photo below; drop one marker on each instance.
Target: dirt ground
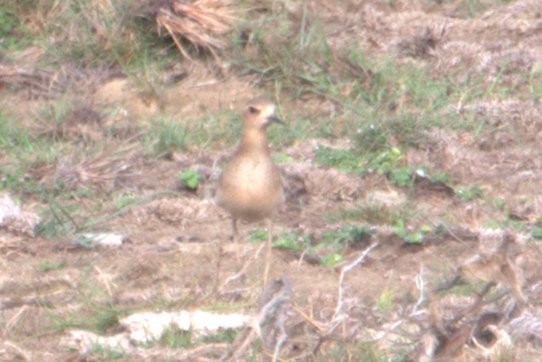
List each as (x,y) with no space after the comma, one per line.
(170,255)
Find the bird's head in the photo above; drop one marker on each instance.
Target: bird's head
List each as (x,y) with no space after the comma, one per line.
(260,114)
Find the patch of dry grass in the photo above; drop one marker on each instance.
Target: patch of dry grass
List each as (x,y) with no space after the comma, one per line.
(203,23)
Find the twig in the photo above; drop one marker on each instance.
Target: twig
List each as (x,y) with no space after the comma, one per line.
(280,341)
(242,271)
(310,320)
(420,284)
(20,352)
(345,270)
(13,320)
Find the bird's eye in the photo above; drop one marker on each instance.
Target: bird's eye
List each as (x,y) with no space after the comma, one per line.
(253,110)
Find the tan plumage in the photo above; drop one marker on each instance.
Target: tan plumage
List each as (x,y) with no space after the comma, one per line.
(250,186)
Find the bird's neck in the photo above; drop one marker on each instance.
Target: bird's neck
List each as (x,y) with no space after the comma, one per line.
(255,139)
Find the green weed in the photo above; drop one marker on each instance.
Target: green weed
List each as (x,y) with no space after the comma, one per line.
(189,179)
(408,235)
(258,236)
(402,176)
(331,259)
(292,241)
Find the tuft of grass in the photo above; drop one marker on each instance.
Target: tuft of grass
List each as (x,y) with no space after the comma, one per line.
(177,338)
(296,129)
(357,351)
(372,213)
(106,317)
(99,34)
(58,221)
(17,141)
(345,236)
(125,199)
(227,335)
(105,353)
(470,193)
(165,137)
(536,232)
(351,160)
(181,339)
(47,266)
(385,300)
(97,317)
(13,32)
(342,159)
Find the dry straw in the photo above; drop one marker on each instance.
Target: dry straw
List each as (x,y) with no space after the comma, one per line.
(203,23)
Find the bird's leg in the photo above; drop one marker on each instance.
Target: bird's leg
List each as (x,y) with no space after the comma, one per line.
(268,245)
(235,238)
(220,250)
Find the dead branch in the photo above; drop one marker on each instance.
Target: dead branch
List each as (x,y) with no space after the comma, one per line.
(340,302)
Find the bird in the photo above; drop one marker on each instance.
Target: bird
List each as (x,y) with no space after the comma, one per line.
(250,186)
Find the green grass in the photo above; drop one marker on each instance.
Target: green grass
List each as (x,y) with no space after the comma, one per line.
(369,212)
(215,131)
(47,266)
(97,317)
(328,249)
(536,232)
(345,236)
(354,351)
(105,353)
(58,220)
(470,193)
(14,34)
(95,34)
(293,241)
(165,137)
(177,338)
(125,200)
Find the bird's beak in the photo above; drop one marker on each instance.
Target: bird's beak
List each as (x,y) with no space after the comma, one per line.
(275,118)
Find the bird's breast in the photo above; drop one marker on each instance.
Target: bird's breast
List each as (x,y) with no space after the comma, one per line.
(250,187)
